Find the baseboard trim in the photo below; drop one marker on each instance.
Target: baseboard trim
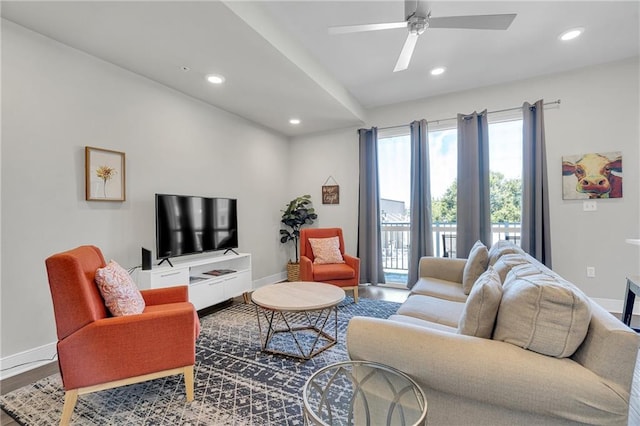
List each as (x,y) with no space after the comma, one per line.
(21,362)
(615,306)
(271,279)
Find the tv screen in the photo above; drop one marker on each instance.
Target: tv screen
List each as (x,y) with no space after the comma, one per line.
(188,225)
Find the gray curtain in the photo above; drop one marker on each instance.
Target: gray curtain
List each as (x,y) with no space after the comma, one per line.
(535,236)
(421,234)
(369,240)
(473,203)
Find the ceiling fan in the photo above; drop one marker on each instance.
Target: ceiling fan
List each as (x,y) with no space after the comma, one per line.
(418,19)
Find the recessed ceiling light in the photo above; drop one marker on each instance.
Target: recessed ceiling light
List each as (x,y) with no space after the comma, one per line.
(185,68)
(294,121)
(215,79)
(571,34)
(438,71)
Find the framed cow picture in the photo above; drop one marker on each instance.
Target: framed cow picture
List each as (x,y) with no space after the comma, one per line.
(592,175)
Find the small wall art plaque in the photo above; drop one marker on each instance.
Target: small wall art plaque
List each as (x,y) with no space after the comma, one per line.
(104,175)
(330,193)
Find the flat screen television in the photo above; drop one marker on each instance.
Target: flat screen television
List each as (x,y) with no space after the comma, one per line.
(189,225)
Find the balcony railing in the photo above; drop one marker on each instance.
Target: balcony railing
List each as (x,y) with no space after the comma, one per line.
(396,240)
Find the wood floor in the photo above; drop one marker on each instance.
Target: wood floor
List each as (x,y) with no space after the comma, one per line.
(368,292)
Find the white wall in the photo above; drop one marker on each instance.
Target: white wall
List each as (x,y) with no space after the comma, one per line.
(599,112)
(315,159)
(55,101)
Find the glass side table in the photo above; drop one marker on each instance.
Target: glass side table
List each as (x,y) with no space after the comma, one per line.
(363,393)
(633,290)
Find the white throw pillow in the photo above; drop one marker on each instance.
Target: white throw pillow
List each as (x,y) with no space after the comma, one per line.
(326,250)
(475,266)
(501,248)
(542,313)
(481,308)
(507,262)
(120,293)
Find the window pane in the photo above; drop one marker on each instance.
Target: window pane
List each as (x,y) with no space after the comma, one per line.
(505,159)
(394,172)
(394,156)
(443,159)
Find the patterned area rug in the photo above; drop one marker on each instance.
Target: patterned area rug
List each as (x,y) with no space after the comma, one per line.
(235,383)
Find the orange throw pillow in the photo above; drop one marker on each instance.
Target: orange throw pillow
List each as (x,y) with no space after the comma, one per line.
(326,250)
(120,293)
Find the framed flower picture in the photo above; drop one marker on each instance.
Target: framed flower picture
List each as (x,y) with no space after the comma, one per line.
(104,175)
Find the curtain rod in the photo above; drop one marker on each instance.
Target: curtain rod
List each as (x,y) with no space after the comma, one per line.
(556,102)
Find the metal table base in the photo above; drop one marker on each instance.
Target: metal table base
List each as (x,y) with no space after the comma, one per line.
(316,321)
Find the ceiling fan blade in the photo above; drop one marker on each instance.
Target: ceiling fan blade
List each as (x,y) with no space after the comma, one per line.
(474,22)
(407,52)
(344,29)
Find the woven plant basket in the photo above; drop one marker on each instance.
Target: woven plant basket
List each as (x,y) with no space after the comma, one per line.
(293,272)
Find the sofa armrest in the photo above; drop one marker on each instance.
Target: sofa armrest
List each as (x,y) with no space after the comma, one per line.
(306,269)
(161,296)
(487,371)
(444,268)
(353,262)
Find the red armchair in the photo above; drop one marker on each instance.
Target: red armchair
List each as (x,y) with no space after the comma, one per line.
(345,275)
(97,351)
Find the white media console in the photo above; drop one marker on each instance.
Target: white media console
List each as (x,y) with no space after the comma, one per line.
(212,279)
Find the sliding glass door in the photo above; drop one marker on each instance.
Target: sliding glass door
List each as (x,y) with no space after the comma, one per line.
(505,157)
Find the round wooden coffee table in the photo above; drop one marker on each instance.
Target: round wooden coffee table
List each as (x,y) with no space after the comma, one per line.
(300,310)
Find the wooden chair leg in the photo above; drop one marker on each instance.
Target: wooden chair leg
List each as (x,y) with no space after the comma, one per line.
(355,294)
(188,382)
(70,399)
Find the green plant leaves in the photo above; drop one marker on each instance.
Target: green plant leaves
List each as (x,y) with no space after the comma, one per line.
(298,212)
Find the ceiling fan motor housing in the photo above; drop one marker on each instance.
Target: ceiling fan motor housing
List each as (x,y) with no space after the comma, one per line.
(417,14)
(417,24)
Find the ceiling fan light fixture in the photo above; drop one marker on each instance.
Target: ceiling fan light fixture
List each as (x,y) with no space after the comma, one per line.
(438,70)
(215,79)
(571,34)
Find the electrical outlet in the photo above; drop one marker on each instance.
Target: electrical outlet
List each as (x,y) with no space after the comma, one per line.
(589,205)
(591,271)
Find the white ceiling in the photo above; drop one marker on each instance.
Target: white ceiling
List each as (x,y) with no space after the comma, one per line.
(280,62)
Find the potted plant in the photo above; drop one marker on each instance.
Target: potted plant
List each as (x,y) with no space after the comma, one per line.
(298,212)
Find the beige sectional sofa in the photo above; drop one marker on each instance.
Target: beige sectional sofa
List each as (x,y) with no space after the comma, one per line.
(513,345)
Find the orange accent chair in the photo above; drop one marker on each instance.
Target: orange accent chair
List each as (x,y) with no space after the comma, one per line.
(97,351)
(345,275)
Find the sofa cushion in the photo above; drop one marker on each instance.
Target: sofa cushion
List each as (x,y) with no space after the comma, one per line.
(542,313)
(501,248)
(333,271)
(405,319)
(326,250)
(507,262)
(479,314)
(120,293)
(442,289)
(432,309)
(477,262)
